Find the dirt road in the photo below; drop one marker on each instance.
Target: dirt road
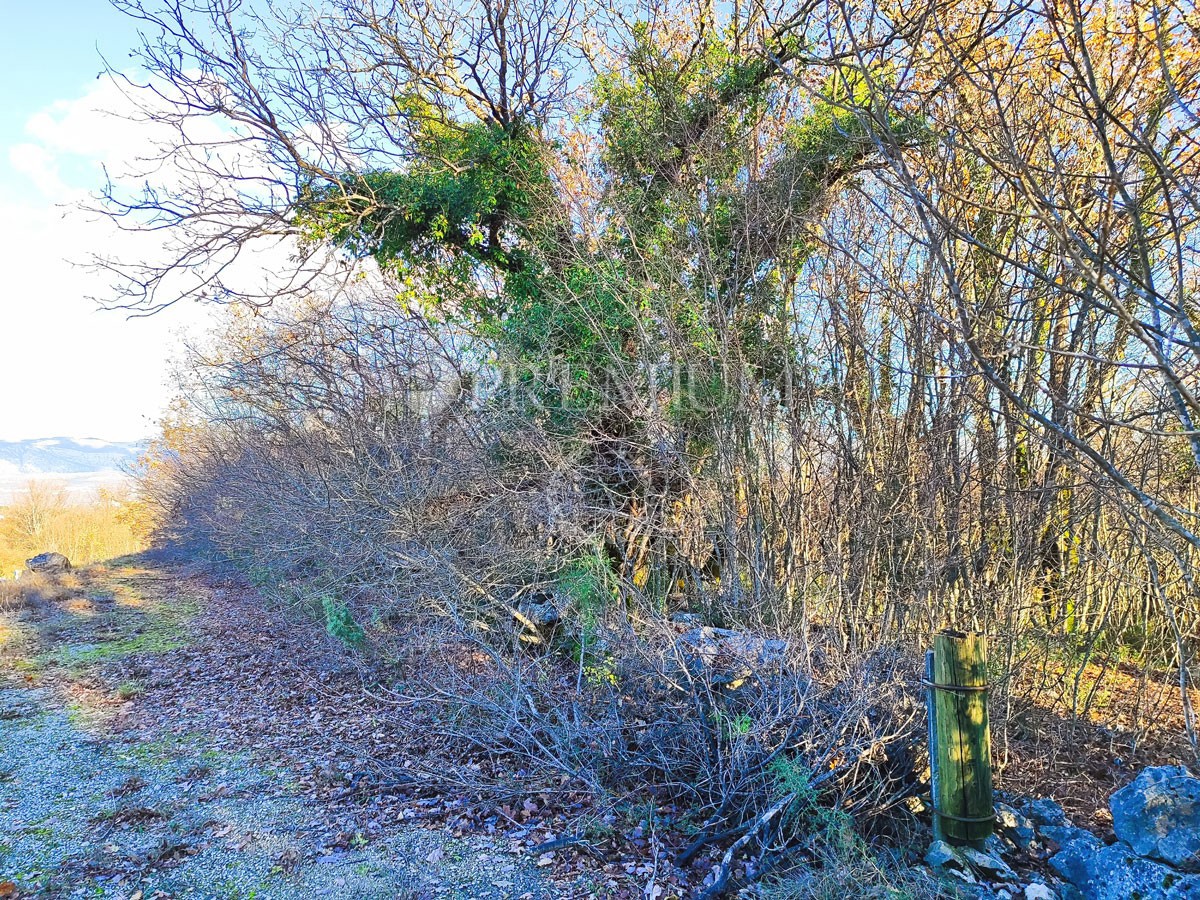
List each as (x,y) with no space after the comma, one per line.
(159,739)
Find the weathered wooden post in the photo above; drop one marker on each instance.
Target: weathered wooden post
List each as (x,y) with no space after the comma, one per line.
(961,753)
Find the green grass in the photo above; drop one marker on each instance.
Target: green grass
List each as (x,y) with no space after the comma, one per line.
(158,628)
(73,657)
(127,690)
(152,753)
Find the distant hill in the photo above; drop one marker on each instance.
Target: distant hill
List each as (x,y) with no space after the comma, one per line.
(64,455)
(81,463)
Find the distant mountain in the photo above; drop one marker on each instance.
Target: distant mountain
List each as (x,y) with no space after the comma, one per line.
(66,456)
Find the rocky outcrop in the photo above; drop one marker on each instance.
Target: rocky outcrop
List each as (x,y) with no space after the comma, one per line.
(1116,872)
(541,614)
(539,618)
(1156,819)
(1158,816)
(1016,826)
(728,657)
(984,874)
(1042,811)
(1156,855)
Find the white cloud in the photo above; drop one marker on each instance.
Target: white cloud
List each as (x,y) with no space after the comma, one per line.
(38,165)
(104,127)
(67,367)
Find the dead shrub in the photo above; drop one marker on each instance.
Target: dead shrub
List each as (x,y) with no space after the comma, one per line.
(13,596)
(631,720)
(428,531)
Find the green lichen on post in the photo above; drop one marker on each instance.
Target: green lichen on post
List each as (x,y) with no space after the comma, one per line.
(963,740)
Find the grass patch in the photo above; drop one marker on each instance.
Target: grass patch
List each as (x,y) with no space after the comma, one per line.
(152,753)
(12,635)
(13,596)
(153,629)
(89,654)
(183,748)
(869,877)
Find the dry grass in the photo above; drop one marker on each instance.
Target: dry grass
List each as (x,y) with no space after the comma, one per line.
(860,874)
(13,596)
(32,589)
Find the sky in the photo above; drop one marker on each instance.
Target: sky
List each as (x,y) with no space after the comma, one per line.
(66,367)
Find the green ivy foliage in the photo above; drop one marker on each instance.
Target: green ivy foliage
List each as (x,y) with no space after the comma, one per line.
(680,272)
(653,111)
(469,184)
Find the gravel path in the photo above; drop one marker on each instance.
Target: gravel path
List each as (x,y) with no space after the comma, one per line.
(91,805)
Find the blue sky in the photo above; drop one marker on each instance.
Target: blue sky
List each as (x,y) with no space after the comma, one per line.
(49,51)
(68,368)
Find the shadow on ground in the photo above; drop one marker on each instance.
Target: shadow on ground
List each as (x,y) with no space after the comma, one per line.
(91,807)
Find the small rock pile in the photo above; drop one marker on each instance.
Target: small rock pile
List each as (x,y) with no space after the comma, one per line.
(1155,856)
(1023,833)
